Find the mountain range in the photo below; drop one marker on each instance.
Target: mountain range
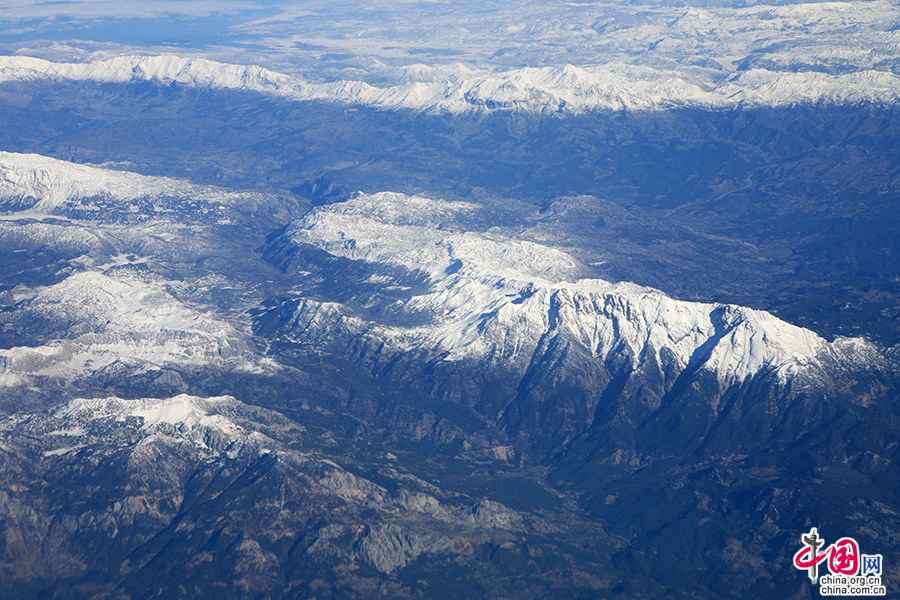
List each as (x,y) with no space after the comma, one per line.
(391,388)
(456,88)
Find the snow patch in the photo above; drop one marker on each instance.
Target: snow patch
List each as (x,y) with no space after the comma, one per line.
(189,414)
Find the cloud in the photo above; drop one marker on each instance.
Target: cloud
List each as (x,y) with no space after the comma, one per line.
(26,10)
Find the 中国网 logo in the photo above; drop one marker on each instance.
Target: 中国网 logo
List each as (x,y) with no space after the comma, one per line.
(850,573)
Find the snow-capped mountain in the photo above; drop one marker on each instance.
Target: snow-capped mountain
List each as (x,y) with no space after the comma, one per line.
(497,297)
(613,86)
(515,331)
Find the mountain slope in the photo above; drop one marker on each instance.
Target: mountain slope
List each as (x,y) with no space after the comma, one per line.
(144,493)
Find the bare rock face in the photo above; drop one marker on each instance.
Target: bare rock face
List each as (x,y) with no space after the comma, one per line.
(389,547)
(494,514)
(189,470)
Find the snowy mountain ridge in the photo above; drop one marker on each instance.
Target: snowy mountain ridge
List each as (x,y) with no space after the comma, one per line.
(497,298)
(46,184)
(455,89)
(195,418)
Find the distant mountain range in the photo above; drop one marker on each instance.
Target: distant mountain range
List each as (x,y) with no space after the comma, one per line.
(456,88)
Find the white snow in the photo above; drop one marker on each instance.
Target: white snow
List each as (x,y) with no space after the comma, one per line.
(187,411)
(410,231)
(61,451)
(613,85)
(192,416)
(71,432)
(56,182)
(108,319)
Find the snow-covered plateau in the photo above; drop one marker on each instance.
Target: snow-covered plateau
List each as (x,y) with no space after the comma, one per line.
(106,308)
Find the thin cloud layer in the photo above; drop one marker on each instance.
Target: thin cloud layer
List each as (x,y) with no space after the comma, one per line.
(27,10)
